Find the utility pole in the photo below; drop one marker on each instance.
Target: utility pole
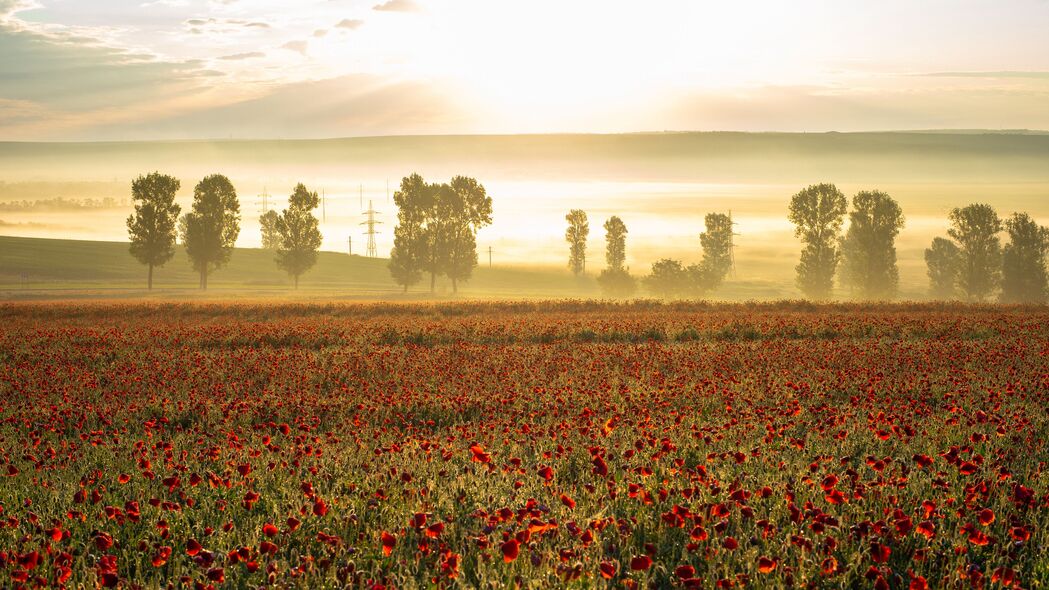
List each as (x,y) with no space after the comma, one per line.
(264,202)
(349,245)
(489,257)
(371,223)
(324,208)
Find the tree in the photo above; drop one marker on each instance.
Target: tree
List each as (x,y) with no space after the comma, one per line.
(407,259)
(717,253)
(576,235)
(668,279)
(268,221)
(298,234)
(467,208)
(211,228)
(615,280)
(1024,278)
(818,212)
(869,246)
(152,226)
(975,230)
(943,260)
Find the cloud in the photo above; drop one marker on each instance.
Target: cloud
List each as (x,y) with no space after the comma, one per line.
(990,75)
(350,23)
(397,6)
(296,46)
(222,25)
(320,33)
(242,56)
(9,7)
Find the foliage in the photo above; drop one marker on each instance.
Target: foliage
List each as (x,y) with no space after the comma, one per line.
(1024,277)
(617,283)
(817,212)
(669,279)
(151,227)
(268,223)
(975,230)
(943,260)
(869,246)
(298,235)
(210,230)
(615,243)
(576,235)
(716,243)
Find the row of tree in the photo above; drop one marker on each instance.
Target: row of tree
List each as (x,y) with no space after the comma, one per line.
(972,264)
(669,278)
(209,231)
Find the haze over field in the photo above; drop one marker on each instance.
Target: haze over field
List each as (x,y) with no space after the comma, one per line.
(95,95)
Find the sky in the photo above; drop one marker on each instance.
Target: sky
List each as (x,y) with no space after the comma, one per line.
(195,69)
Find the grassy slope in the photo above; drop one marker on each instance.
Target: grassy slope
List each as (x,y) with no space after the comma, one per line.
(75,264)
(64,268)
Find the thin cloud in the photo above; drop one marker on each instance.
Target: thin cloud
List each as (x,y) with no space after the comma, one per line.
(990,75)
(296,46)
(244,56)
(397,6)
(349,23)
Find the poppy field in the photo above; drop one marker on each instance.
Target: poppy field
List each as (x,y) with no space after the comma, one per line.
(537,445)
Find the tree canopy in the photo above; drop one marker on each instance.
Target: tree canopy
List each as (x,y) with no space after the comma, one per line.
(869,246)
(817,213)
(298,233)
(576,235)
(1024,278)
(975,230)
(210,229)
(152,226)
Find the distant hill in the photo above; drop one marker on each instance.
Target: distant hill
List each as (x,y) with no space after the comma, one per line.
(883,157)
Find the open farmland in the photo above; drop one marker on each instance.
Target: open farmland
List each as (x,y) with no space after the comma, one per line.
(540,444)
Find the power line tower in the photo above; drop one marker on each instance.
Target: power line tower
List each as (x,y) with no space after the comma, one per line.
(264,201)
(371,223)
(732,242)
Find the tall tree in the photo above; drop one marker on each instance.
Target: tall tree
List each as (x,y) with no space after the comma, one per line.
(1024,278)
(943,260)
(152,226)
(615,279)
(211,228)
(408,258)
(869,246)
(469,208)
(975,229)
(576,235)
(268,223)
(668,279)
(716,243)
(818,212)
(298,233)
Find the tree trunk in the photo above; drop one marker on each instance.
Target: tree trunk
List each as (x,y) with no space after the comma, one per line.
(204,279)
(455,286)
(433,282)
(406,287)
(149,282)
(296,282)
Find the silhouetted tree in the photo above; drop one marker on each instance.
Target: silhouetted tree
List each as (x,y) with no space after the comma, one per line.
(298,233)
(152,226)
(943,260)
(818,212)
(268,222)
(414,203)
(468,208)
(716,243)
(975,230)
(211,228)
(869,246)
(1024,277)
(615,280)
(668,279)
(576,235)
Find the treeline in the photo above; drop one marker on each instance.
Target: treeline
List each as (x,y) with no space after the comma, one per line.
(969,264)
(210,229)
(60,204)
